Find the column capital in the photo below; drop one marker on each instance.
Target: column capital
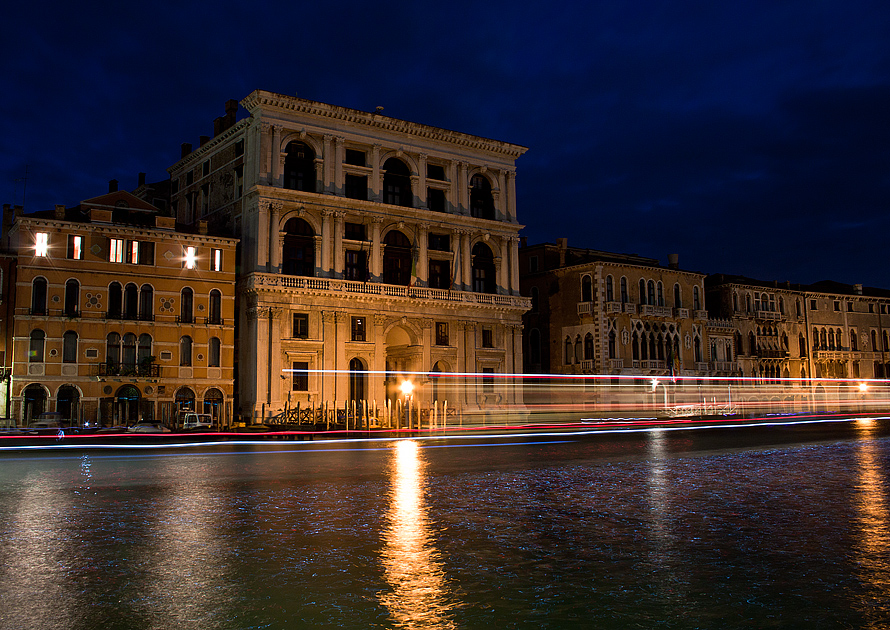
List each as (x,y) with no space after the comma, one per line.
(425,322)
(265,127)
(379,319)
(277,128)
(276,313)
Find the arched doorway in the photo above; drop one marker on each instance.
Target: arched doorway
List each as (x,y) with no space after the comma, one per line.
(483,269)
(299,167)
(68,403)
(213,404)
(481,199)
(126,405)
(34,402)
(358,380)
(184,400)
(397,184)
(298,249)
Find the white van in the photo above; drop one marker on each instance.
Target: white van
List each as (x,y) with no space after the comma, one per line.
(195,421)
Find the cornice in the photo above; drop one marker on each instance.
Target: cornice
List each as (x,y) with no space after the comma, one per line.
(260,100)
(199,154)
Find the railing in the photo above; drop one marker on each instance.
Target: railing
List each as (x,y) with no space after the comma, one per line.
(655,311)
(616,364)
(768,353)
(185,319)
(125,369)
(681,313)
(389,290)
(702,315)
(630,309)
(38,311)
(725,324)
(71,313)
(724,366)
(701,366)
(214,321)
(587,365)
(585,308)
(768,315)
(652,365)
(613,307)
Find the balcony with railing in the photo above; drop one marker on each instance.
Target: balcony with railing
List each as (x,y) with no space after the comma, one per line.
(767,315)
(616,364)
(681,313)
(701,315)
(585,308)
(128,369)
(334,286)
(651,310)
(613,307)
(724,366)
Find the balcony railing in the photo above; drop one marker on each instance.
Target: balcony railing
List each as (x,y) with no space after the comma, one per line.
(185,319)
(724,366)
(701,315)
(681,313)
(333,285)
(613,307)
(655,311)
(616,364)
(126,369)
(767,315)
(630,309)
(587,365)
(585,308)
(214,321)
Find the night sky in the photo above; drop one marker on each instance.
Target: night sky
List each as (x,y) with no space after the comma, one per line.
(748,137)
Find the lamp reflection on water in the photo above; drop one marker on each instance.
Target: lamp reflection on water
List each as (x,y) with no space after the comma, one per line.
(412,567)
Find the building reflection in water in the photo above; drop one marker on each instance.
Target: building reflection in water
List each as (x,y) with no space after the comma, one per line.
(872,548)
(663,552)
(419,597)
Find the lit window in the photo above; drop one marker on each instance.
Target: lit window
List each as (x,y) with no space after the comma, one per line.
(42,244)
(191,258)
(116,250)
(216,260)
(75,247)
(358,328)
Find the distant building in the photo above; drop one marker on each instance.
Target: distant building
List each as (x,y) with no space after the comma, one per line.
(371,248)
(119,316)
(596,312)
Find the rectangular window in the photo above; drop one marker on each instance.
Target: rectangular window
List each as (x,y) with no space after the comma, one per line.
(837,305)
(812,305)
(205,169)
(487,379)
(215,260)
(487,339)
(440,274)
(439,242)
(435,171)
(355,157)
(356,187)
(871,308)
(75,247)
(441,333)
(239,148)
(849,307)
(300,376)
(140,252)
(356,267)
(354,231)
(435,199)
(116,250)
(301,326)
(358,328)
(41,245)
(190,257)
(189,178)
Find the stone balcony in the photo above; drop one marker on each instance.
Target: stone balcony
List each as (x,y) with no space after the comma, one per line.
(343,288)
(655,311)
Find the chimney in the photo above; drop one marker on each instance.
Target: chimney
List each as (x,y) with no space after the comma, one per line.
(858,289)
(59,212)
(218,126)
(562,244)
(141,179)
(673,261)
(112,185)
(186,149)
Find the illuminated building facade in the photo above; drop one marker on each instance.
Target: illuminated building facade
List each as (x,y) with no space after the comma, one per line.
(597,312)
(119,316)
(370,248)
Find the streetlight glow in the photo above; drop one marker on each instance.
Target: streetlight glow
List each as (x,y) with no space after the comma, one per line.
(407,387)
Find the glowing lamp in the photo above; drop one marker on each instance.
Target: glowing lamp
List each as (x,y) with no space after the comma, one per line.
(407,387)
(863,387)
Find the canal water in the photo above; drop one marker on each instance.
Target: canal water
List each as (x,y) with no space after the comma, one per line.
(712,528)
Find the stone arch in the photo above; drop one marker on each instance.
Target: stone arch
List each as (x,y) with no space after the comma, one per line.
(297,213)
(35,397)
(68,397)
(410,162)
(298,136)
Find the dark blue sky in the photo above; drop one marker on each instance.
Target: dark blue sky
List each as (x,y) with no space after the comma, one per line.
(749,137)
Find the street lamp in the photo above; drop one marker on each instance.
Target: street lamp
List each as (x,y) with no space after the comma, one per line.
(407,388)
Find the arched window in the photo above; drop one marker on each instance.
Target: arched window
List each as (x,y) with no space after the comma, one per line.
(115,300)
(72,298)
(624,298)
(69,347)
(610,289)
(184,399)
(642,291)
(696,299)
(146,303)
(747,302)
(586,289)
(660,290)
(636,347)
(678,298)
(357,380)
(397,259)
(131,301)
(612,346)
(129,350)
(802,345)
(214,352)
(823,339)
(696,344)
(752,344)
(397,184)
(186,305)
(534,346)
(735,301)
(588,347)
(782,305)
(143,351)
(185,350)
(854,343)
(578,355)
(481,199)
(113,349)
(213,404)
(650,293)
(874,341)
(483,269)
(36,347)
(38,296)
(298,248)
(215,307)
(569,353)
(299,167)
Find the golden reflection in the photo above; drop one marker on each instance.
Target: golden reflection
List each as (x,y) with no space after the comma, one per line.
(419,597)
(873,544)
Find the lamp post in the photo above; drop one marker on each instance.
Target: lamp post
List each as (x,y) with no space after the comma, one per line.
(407,388)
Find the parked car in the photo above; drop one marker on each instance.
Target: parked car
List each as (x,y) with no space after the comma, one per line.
(196,421)
(148,427)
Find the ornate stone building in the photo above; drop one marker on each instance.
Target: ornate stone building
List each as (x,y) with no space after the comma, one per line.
(370,248)
(597,312)
(118,315)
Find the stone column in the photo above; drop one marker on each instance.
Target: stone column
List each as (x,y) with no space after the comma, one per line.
(262,244)
(340,154)
(274,219)
(470,367)
(276,397)
(426,359)
(454,188)
(500,274)
(265,152)
(514,265)
(466,261)
(376,383)
(338,243)
(248,387)
(329,359)
(376,179)
(422,255)
(275,155)
(262,356)
(421,181)
(518,397)
(376,261)
(341,389)
(329,160)
(511,196)
(502,199)
(463,189)
(277,252)
(326,243)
